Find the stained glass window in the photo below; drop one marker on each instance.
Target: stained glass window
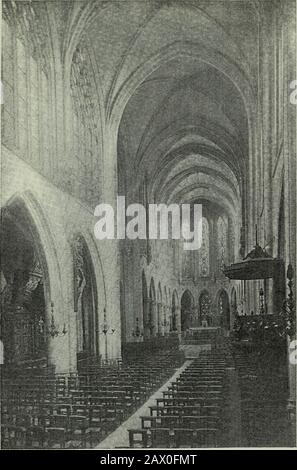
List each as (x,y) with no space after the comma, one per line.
(187,265)
(221,243)
(204,250)
(204,304)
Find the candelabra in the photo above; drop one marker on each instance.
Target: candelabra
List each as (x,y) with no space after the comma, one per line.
(53,329)
(106,330)
(137,332)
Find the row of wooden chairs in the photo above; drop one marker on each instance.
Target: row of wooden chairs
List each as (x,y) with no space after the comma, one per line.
(77,410)
(189,412)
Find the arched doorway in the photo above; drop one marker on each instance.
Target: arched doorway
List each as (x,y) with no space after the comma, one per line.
(224,310)
(85,301)
(187,311)
(24,288)
(205,317)
(234,311)
(174,307)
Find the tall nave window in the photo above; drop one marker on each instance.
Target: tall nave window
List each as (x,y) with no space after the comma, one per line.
(204,250)
(221,243)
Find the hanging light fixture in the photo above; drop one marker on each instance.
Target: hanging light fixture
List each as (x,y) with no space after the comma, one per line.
(53,330)
(137,332)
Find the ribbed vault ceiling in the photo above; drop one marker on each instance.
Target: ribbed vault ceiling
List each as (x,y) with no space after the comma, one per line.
(186,128)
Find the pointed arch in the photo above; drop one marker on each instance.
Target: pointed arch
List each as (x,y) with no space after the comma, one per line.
(223,306)
(27,203)
(174,311)
(29,272)
(187,310)
(85,299)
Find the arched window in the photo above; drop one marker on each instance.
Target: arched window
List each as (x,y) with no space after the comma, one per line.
(204,303)
(188,265)
(173,323)
(187,310)
(221,243)
(204,250)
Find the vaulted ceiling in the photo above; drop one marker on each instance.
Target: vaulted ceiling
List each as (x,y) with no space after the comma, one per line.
(180,78)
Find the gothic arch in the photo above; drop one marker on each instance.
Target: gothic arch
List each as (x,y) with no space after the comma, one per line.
(150,325)
(187,310)
(174,311)
(152,292)
(223,306)
(85,298)
(172,52)
(28,204)
(30,269)
(233,298)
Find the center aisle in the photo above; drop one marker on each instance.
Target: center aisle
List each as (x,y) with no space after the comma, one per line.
(120,437)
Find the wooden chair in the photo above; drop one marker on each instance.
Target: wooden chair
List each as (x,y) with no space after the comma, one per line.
(35,437)
(76,434)
(138,438)
(13,437)
(56,437)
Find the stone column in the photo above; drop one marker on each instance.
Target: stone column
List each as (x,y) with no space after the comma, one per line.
(147,319)
(178,321)
(109,249)
(163,319)
(154,311)
(159,318)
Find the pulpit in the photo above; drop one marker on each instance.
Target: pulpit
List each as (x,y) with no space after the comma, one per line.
(22,338)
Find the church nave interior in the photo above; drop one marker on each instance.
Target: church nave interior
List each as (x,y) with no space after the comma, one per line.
(164,102)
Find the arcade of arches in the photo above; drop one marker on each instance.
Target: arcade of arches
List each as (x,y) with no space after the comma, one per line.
(162,102)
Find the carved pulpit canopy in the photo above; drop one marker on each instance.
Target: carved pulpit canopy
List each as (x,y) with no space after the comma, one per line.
(257,264)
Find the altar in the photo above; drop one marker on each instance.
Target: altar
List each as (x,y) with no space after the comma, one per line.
(202,335)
